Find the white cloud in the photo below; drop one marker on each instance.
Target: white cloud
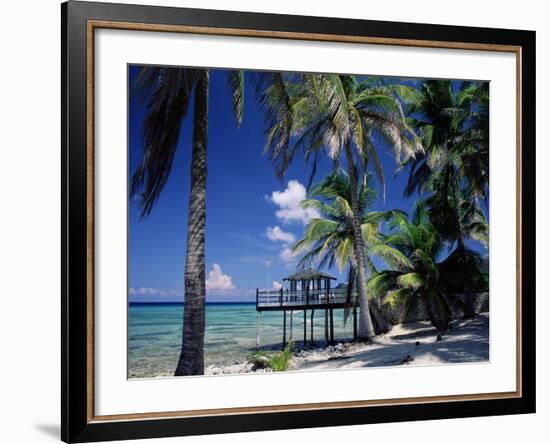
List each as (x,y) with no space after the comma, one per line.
(286,255)
(150,291)
(144,291)
(217,280)
(276,234)
(289,202)
(276,285)
(224,289)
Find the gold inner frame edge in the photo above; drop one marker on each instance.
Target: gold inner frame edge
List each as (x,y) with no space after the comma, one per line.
(233,32)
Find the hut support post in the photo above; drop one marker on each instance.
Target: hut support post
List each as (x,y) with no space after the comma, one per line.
(311,325)
(284,329)
(291,326)
(326,325)
(305,327)
(331,326)
(258,313)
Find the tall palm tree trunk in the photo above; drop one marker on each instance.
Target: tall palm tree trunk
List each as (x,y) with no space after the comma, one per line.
(365,330)
(440,322)
(379,319)
(191,360)
(469,297)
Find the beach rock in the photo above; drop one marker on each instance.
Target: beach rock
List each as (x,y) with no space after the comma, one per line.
(260,362)
(220,369)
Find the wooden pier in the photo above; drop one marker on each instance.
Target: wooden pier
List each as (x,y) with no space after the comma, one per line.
(309,290)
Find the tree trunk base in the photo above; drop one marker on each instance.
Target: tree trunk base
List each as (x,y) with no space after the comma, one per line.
(469,306)
(380,323)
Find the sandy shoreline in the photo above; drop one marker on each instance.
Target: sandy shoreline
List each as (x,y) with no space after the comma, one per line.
(413,343)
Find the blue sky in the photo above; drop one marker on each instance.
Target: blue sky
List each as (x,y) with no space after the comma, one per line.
(252,217)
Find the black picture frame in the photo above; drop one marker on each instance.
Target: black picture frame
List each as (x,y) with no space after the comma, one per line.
(76,423)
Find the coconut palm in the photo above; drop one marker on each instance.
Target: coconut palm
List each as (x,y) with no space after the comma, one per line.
(433,121)
(344,117)
(473,142)
(415,277)
(328,239)
(168,92)
(458,217)
(454,168)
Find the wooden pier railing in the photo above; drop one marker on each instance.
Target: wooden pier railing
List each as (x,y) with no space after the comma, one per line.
(303,300)
(285,299)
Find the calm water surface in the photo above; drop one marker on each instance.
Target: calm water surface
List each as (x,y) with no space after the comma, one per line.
(154,334)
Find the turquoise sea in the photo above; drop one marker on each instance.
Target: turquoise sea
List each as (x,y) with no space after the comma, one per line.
(154,334)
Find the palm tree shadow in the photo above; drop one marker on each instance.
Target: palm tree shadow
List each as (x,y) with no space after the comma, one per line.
(471,350)
(468,342)
(428,332)
(379,357)
(51,430)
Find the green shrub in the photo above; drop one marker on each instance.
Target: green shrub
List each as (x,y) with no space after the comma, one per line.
(280,361)
(277,361)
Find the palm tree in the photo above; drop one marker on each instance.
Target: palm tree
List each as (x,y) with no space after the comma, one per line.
(168,92)
(473,142)
(329,239)
(344,116)
(454,169)
(415,277)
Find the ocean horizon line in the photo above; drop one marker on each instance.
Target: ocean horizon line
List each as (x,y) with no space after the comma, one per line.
(182,303)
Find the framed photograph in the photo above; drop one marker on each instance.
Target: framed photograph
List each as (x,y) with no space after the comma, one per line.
(276,221)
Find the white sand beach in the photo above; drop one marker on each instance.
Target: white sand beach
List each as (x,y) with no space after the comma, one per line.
(414,343)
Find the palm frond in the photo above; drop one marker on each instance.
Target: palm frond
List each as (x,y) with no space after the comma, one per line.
(392,256)
(371,157)
(409,95)
(338,107)
(343,252)
(146,81)
(236,84)
(166,110)
(379,284)
(317,230)
(397,297)
(410,280)
(273,97)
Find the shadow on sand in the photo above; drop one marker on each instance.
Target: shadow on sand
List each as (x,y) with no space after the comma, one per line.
(467,341)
